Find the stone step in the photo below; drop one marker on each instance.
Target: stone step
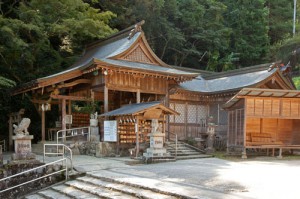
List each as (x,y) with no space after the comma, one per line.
(139,182)
(134,191)
(98,189)
(193,157)
(73,192)
(50,193)
(185,152)
(34,196)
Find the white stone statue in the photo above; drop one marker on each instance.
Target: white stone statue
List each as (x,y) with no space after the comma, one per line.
(22,128)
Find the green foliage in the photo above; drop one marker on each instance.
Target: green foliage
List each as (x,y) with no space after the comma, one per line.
(41,37)
(296,81)
(6,83)
(249,22)
(180,32)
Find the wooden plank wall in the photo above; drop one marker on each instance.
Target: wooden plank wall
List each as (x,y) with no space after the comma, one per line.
(273,108)
(296,132)
(286,131)
(129,82)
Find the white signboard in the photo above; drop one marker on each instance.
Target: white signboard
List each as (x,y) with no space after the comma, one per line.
(110,131)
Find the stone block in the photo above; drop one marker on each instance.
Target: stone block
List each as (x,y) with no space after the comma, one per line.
(104,149)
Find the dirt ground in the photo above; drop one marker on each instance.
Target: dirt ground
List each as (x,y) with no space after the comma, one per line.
(262,177)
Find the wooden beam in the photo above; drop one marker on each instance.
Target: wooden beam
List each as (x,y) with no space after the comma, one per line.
(72,98)
(76,82)
(36,101)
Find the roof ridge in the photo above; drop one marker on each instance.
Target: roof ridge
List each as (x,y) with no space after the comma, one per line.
(238,71)
(116,35)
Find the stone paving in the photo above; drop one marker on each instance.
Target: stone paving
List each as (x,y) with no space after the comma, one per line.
(204,178)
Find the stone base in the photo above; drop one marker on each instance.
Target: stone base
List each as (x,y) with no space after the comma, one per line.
(210,150)
(1,160)
(153,152)
(23,156)
(95,137)
(105,149)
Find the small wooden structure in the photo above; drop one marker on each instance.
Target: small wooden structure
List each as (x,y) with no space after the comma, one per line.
(134,122)
(264,118)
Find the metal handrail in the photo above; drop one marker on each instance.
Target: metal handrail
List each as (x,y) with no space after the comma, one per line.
(58,153)
(3,143)
(74,132)
(36,168)
(176,140)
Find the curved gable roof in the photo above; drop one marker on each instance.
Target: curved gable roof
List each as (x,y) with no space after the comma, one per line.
(230,81)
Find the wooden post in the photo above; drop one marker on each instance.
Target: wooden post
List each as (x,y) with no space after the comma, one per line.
(63,119)
(43,126)
(10,142)
(244,153)
(105,99)
(137,147)
(69,111)
(138,96)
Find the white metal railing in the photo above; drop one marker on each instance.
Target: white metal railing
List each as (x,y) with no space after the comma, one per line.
(3,144)
(59,151)
(63,135)
(63,161)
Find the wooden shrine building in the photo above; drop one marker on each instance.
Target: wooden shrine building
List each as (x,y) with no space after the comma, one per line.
(264,118)
(122,69)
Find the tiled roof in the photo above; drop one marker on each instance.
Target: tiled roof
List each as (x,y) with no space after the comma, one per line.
(148,67)
(131,109)
(227,82)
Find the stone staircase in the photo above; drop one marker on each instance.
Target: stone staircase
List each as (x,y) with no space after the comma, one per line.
(184,151)
(105,184)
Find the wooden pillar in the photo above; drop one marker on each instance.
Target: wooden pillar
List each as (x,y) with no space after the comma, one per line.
(10,141)
(138,96)
(105,99)
(137,145)
(63,114)
(69,111)
(167,118)
(70,107)
(43,126)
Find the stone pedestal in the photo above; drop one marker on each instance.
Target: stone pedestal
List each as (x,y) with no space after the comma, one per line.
(211,138)
(156,146)
(95,137)
(23,147)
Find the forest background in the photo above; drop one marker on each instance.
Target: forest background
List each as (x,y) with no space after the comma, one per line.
(41,37)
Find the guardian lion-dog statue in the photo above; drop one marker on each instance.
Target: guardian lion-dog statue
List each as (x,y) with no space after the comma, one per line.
(22,128)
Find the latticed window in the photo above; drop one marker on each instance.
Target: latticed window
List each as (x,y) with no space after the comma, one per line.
(223,117)
(202,114)
(192,114)
(180,108)
(171,117)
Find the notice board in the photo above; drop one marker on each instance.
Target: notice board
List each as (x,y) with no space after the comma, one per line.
(110,131)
